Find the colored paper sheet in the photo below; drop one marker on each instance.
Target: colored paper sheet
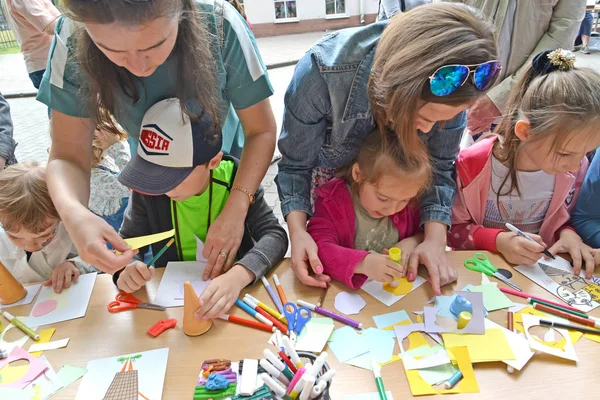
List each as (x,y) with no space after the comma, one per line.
(468,384)
(518,344)
(32,290)
(57,344)
(391,327)
(492,346)
(34,369)
(390,319)
(72,303)
(142,241)
(17,394)
(23,338)
(438,357)
(381,293)
(46,384)
(381,347)
(443,304)
(349,303)
(518,323)
(314,336)
(404,331)
(567,352)
(69,374)
(45,336)
(170,289)
(439,374)
(493,298)
(368,396)
(593,338)
(434,324)
(347,344)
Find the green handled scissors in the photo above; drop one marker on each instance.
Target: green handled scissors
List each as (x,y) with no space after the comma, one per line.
(481,263)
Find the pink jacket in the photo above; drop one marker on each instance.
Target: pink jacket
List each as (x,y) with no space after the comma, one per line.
(332,226)
(473,180)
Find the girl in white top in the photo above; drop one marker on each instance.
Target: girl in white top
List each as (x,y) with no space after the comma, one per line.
(34,244)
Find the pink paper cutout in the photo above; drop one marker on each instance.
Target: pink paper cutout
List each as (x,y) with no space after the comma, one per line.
(36,367)
(476,326)
(44,308)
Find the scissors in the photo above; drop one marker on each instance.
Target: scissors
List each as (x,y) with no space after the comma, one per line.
(481,263)
(125,301)
(296,319)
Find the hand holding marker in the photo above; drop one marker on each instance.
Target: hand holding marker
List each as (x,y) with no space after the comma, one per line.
(518,232)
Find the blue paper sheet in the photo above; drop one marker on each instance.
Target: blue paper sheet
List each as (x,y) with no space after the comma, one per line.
(385,320)
(381,347)
(347,344)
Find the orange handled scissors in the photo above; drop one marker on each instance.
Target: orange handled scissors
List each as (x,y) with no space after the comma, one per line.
(125,301)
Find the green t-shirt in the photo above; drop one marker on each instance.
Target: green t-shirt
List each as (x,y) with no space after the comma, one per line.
(242,77)
(190,217)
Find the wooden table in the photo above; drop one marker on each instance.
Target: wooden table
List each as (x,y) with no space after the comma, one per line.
(101,334)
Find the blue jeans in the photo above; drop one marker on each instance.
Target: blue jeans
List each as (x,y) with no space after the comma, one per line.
(586,25)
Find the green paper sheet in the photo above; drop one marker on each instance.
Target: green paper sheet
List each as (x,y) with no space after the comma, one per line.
(493,298)
(69,374)
(435,375)
(17,394)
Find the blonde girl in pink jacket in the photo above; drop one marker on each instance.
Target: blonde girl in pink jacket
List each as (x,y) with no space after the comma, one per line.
(530,174)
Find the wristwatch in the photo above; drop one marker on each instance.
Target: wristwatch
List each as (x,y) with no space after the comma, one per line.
(251,196)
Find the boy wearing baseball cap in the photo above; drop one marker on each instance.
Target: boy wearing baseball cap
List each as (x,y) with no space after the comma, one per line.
(180,179)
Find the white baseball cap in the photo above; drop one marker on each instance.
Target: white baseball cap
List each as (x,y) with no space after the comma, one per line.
(170,147)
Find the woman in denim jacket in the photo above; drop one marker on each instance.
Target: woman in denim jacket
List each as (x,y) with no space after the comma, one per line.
(383,75)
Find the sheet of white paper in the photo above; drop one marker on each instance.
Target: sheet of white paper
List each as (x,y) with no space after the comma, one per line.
(569,350)
(170,290)
(199,250)
(10,346)
(518,344)
(56,344)
(556,276)
(32,290)
(48,382)
(151,367)
(438,358)
(349,303)
(72,303)
(376,290)
(17,394)
(484,279)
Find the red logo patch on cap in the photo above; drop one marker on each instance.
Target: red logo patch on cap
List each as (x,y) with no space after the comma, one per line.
(154,141)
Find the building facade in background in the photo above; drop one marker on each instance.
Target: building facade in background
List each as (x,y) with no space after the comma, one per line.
(284,17)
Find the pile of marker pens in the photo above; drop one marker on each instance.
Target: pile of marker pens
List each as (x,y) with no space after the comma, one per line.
(289,378)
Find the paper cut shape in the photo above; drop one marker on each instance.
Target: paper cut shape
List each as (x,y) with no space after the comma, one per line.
(556,276)
(44,308)
(376,290)
(199,250)
(381,347)
(568,352)
(57,344)
(493,298)
(593,338)
(45,336)
(467,384)
(170,290)
(315,335)
(492,346)
(349,303)
(71,303)
(518,344)
(9,346)
(387,320)
(402,287)
(436,375)
(518,323)
(35,368)
(69,374)
(403,331)
(151,367)
(347,344)
(47,383)
(32,290)
(437,356)
(368,396)
(476,326)
(142,241)
(193,326)
(17,394)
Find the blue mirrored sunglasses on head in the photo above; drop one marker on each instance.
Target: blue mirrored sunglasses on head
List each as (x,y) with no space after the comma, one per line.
(445,80)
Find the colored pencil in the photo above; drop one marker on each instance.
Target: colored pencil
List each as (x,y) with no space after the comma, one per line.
(510,325)
(265,314)
(566,315)
(287,361)
(252,312)
(268,309)
(161,252)
(578,313)
(247,322)
(331,314)
(272,294)
(279,289)
(530,296)
(322,296)
(553,324)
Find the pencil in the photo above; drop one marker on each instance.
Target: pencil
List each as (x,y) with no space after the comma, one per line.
(279,289)
(530,296)
(553,324)
(161,252)
(247,322)
(578,313)
(511,327)
(322,296)
(566,315)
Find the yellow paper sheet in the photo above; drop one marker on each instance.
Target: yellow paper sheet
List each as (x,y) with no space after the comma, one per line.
(10,374)
(391,327)
(492,346)
(518,323)
(468,384)
(593,338)
(45,337)
(142,241)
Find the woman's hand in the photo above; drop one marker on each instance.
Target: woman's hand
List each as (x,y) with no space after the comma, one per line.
(305,253)
(407,247)
(90,233)
(225,236)
(518,250)
(62,276)
(380,268)
(134,276)
(482,115)
(570,242)
(222,292)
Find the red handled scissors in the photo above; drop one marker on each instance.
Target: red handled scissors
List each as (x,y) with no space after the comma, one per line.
(125,301)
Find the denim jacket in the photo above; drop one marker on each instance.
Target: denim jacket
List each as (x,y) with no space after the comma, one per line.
(327,117)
